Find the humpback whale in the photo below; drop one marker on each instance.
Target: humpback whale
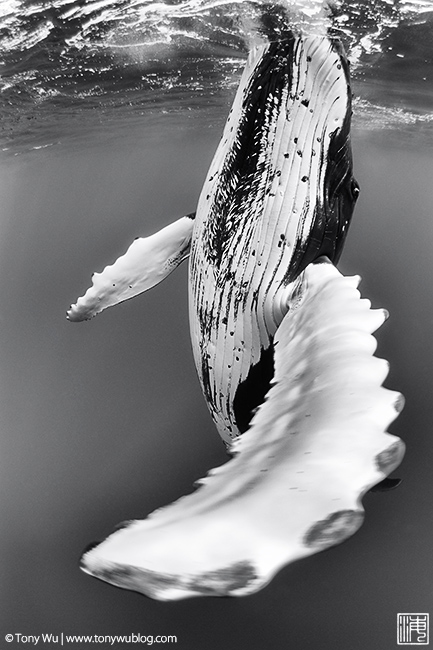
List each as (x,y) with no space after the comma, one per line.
(282,341)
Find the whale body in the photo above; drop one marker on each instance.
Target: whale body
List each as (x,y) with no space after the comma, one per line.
(282,341)
(279,194)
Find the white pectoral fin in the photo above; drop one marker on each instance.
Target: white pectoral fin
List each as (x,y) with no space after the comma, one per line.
(295,483)
(146,263)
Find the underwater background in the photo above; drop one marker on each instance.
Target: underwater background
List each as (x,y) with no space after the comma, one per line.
(110,115)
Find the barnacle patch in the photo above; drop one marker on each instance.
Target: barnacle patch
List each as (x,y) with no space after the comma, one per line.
(334,529)
(399,403)
(390,458)
(221,582)
(225,581)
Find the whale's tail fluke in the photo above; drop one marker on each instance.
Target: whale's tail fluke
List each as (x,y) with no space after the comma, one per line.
(294,486)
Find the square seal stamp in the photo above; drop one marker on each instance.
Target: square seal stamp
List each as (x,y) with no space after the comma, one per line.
(412,629)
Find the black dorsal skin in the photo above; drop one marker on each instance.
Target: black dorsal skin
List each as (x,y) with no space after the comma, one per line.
(327,237)
(279,194)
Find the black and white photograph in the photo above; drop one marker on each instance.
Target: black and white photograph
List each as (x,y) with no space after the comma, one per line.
(216,324)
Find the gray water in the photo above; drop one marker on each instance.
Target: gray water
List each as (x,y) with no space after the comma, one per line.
(104,421)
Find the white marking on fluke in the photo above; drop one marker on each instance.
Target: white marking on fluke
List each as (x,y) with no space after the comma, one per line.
(282,342)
